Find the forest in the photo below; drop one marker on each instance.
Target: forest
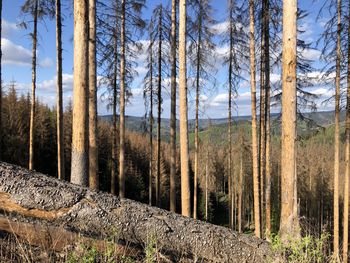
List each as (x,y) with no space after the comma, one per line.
(279,173)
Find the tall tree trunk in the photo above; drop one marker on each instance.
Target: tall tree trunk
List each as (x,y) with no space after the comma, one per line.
(196,130)
(240,193)
(60,133)
(151,129)
(289,225)
(32,108)
(347,149)
(122,108)
(173,109)
(206,185)
(230,71)
(337,141)
(79,169)
(254,120)
(159,94)
(268,168)
(114,118)
(185,175)
(93,136)
(1,139)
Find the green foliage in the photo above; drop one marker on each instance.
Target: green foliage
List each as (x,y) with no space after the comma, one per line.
(307,249)
(151,249)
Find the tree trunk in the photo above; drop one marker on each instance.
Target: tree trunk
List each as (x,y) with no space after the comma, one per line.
(173,109)
(254,120)
(336,141)
(151,129)
(93,133)
(196,130)
(60,132)
(32,108)
(206,185)
(1,133)
(79,170)
(76,209)
(185,175)
(289,225)
(122,107)
(240,193)
(114,119)
(347,146)
(159,94)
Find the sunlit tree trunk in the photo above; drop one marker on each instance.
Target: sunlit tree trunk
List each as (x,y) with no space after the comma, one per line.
(79,169)
(32,108)
(254,120)
(336,141)
(347,150)
(151,130)
(206,184)
(60,134)
(173,109)
(93,137)
(240,193)
(196,130)
(289,225)
(185,176)
(122,107)
(1,139)
(114,119)
(159,95)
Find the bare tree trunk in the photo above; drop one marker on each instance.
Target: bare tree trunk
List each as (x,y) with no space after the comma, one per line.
(60,133)
(268,169)
(93,132)
(173,109)
(122,108)
(289,225)
(347,147)
(114,119)
(1,140)
(185,176)
(240,193)
(151,129)
(230,69)
(79,169)
(196,130)
(159,94)
(254,120)
(32,108)
(336,141)
(206,185)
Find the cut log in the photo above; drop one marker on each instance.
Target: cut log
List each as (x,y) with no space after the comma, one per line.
(41,202)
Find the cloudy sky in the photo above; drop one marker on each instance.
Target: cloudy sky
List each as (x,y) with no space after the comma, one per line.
(16,48)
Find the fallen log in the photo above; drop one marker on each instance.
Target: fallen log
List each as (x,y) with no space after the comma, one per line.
(33,199)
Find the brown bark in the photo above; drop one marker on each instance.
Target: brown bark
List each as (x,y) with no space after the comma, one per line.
(289,225)
(60,133)
(1,140)
(254,120)
(79,170)
(240,194)
(122,107)
(347,147)
(32,108)
(337,141)
(151,129)
(173,109)
(196,130)
(78,209)
(93,133)
(185,176)
(159,94)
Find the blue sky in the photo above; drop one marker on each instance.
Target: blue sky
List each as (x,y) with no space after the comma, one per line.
(17,61)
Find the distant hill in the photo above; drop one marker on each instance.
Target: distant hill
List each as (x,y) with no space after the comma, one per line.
(218,127)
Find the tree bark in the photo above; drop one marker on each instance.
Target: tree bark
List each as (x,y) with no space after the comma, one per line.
(30,198)
(1,133)
(79,170)
(337,140)
(32,108)
(151,128)
(196,130)
(185,175)
(60,132)
(122,107)
(347,146)
(254,120)
(93,132)
(173,109)
(159,94)
(289,225)
(114,119)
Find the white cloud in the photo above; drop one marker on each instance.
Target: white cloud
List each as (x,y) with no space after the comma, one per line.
(8,28)
(46,63)
(220,28)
